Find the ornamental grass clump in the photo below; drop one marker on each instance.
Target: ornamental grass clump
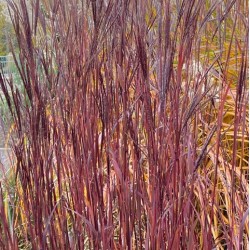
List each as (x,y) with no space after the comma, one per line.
(129,126)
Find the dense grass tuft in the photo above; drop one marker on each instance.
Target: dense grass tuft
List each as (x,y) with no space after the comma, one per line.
(129,126)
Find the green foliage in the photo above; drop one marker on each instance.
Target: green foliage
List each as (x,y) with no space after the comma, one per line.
(6,30)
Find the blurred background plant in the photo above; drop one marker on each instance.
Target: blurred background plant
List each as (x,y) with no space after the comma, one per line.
(6,30)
